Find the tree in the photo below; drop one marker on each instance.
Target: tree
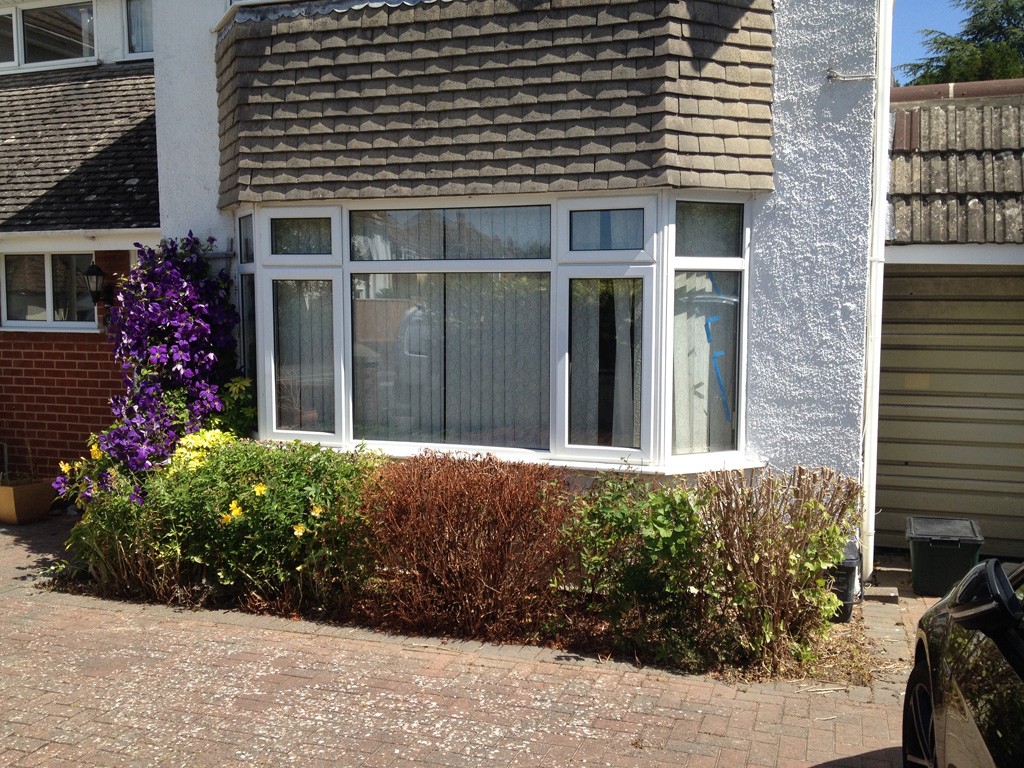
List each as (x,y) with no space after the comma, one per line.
(989,46)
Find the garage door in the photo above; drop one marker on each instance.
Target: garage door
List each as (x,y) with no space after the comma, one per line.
(951,419)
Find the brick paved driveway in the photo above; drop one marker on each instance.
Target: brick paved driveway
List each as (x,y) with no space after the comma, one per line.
(84,682)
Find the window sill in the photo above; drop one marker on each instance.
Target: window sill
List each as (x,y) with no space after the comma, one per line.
(53,328)
(676,466)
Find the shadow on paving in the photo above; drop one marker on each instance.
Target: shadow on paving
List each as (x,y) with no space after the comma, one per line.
(33,546)
(879,758)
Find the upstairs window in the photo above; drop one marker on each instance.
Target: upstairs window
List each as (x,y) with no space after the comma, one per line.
(140,26)
(47,34)
(58,33)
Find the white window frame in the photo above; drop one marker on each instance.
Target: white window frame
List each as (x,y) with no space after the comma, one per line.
(736,458)
(655,264)
(265,356)
(49,324)
(127,37)
(561,447)
(565,208)
(19,37)
(262,234)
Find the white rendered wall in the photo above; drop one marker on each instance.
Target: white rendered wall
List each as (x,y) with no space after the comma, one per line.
(186,119)
(810,242)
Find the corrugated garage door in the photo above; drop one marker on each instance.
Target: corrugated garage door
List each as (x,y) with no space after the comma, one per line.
(951,421)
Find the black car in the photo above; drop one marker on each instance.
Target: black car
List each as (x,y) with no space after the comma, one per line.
(964,706)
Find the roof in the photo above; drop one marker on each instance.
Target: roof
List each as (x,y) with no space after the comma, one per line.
(957,171)
(345,98)
(79,149)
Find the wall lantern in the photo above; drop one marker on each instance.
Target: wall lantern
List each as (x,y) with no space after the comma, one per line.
(94,279)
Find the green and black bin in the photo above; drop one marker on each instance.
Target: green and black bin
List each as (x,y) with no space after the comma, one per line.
(942,551)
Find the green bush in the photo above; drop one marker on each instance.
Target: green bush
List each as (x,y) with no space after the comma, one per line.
(234,522)
(775,536)
(730,571)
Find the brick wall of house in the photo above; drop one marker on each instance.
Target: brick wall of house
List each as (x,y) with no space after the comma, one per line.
(55,389)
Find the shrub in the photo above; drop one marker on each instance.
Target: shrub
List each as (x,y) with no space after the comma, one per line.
(640,553)
(775,537)
(466,545)
(239,523)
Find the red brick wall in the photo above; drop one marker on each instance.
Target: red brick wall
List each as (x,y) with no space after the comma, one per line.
(55,389)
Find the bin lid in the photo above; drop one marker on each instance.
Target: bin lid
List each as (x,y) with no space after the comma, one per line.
(944,528)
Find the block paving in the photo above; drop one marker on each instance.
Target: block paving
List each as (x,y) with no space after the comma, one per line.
(89,682)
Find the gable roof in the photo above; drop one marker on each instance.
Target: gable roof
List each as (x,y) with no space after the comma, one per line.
(957,167)
(79,149)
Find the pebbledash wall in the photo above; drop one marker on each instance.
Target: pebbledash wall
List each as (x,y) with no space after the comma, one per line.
(807,100)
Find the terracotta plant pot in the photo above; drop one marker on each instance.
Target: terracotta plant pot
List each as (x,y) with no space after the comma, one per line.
(26,502)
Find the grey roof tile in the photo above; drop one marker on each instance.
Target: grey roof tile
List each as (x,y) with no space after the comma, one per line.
(79,149)
(957,166)
(548,97)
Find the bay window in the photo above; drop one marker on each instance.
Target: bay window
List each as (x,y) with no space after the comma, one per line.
(593,329)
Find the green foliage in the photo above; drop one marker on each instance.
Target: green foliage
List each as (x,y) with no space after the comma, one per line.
(732,570)
(238,523)
(990,46)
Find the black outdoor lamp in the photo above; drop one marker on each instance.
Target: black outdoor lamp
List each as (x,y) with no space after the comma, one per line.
(94,278)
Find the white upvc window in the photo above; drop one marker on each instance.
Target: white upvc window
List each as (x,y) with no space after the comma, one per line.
(47,34)
(138,25)
(593,330)
(46,291)
(709,237)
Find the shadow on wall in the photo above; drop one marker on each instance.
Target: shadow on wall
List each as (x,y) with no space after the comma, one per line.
(114,189)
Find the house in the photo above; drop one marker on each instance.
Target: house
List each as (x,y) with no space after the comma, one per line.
(592,232)
(77,187)
(952,365)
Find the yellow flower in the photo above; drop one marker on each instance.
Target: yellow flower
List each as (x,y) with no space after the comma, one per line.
(299,530)
(64,467)
(316,511)
(236,509)
(259,489)
(225,519)
(95,452)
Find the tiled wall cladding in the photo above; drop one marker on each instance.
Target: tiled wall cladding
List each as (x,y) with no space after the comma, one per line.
(496,96)
(957,172)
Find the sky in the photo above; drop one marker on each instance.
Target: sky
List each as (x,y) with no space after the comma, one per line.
(912,16)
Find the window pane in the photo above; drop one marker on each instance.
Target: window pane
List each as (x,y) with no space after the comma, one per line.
(452,358)
(25,278)
(617,230)
(520,232)
(6,39)
(706,334)
(300,236)
(605,365)
(304,355)
(71,299)
(53,34)
(248,326)
(397,235)
(709,229)
(498,233)
(246,251)
(140,26)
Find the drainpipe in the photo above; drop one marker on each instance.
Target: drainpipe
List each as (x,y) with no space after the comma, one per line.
(876,265)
